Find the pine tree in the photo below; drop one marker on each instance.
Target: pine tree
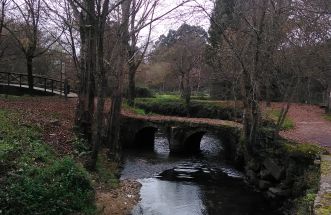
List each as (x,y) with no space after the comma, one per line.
(223,17)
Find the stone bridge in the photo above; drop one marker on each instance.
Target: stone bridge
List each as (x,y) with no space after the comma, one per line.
(184,134)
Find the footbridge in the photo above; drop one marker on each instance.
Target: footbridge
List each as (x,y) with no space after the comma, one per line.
(18,82)
(184,134)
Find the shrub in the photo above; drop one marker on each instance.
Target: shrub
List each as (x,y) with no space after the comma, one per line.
(61,188)
(143,92)
(199,109)
(32,179)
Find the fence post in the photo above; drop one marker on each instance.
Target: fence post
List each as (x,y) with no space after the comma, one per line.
(20,80)
(8,76)
(66,88)
(45,83)
(52,85)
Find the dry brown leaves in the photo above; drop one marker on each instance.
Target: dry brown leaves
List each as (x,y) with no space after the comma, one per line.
(310,125)
(53,115)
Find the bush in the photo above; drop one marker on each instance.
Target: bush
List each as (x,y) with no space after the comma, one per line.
(143,92)
(199,109)
(61,188)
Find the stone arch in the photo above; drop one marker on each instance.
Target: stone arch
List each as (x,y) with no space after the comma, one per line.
(193,140)
(144,137)
(230,140)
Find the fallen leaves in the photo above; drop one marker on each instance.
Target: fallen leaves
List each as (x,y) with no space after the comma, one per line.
(53,115)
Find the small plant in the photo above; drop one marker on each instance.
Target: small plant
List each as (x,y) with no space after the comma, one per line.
(60,188)
(327,117)
(33,179)
(106,171)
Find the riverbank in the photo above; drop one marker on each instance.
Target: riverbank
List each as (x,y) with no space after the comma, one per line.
(53,118)
(119,201)
(40,134)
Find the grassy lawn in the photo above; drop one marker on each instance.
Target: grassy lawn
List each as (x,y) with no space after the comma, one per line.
(274,115)
(327,117)
(33,178)
(135,110)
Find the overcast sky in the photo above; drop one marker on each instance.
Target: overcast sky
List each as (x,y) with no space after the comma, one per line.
(189,13)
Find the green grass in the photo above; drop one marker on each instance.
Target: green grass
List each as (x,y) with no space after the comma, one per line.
(172,105)
(135,110)
(274,115)
(33,179)
(13,97)
(327,117)
(306,151)
(161,97)
(106,171)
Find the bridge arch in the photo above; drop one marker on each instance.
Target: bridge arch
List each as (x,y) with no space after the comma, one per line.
(145,137)
(193,141)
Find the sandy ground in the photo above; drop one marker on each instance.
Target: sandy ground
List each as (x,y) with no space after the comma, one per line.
(120,201)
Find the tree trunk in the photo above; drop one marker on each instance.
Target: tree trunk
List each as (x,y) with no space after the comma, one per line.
(114,127)
(268,96)
(182,86)
(85,106)
(328,109)
(114,119)
(97,128)
(29,66)
(132,85)
(187,93)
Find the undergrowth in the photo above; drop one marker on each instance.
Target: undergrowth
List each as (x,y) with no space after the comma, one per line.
(33,179)
(172,105)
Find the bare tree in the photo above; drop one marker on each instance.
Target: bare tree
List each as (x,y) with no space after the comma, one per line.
(146,9)
(29,34)
(245,38)
(3,4)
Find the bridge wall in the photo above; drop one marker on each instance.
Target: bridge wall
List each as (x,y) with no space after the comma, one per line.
(183,137)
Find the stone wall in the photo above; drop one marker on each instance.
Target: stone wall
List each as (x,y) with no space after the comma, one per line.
(322,205)
(286,172)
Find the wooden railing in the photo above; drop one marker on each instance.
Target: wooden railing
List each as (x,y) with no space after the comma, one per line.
(42,82)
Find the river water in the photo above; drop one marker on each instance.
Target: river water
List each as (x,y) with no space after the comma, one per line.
(192,185)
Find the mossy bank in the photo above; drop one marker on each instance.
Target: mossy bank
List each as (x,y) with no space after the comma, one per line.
(33,178)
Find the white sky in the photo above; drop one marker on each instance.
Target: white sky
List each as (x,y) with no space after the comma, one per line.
(189,13)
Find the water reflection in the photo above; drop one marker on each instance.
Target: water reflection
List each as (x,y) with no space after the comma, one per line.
(200,184)
(169,198)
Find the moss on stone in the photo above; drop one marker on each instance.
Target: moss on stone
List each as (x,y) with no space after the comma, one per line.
(324,211)
(325,168)
(325,207)
(306,150)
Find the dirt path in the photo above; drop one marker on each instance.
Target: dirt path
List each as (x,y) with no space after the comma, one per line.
(310,125)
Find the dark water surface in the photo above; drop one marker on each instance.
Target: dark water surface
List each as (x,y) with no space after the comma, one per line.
(201,184)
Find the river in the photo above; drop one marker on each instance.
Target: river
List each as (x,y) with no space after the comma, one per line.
(191,185)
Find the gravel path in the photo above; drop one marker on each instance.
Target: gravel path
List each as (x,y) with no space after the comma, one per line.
(310,125)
